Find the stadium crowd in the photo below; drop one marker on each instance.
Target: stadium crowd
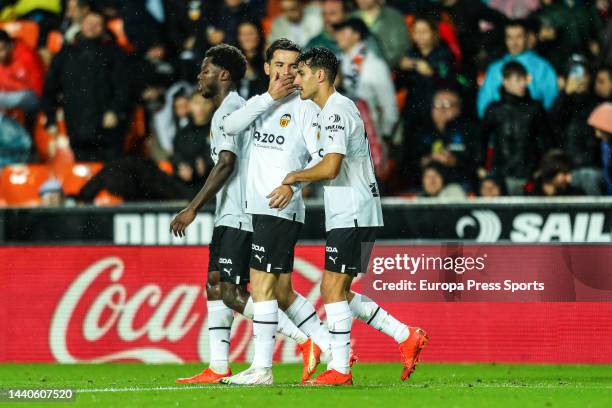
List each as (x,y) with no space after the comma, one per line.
(460,97)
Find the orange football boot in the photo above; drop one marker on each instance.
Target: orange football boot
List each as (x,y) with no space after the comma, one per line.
(410,350)
(332,377)
(311,356)
(208,376)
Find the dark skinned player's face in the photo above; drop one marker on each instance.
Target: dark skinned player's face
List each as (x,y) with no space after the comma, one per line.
(208,79)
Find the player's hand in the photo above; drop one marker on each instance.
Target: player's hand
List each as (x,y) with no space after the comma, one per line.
(280,197)
(289,179)
(182,221)
(281,86)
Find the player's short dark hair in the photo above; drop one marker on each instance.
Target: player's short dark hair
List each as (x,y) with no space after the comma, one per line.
(514,68)
(5,37)
(282,44)
(229,58)
(321,58)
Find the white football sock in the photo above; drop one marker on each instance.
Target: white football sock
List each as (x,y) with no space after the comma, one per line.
(302,313)
(287,328)
(220,319)
(265,323)
(339,320)
(368,311)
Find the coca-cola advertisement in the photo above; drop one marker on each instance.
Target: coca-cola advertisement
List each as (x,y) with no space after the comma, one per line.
(148,304)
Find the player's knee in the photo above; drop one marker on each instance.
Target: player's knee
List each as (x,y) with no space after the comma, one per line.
(229,297)
(213,286)
(333,288)
(285,297)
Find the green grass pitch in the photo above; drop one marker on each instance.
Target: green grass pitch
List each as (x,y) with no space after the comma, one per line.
(376,385)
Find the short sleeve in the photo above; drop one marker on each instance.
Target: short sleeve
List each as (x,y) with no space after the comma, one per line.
(226,142)
(310,130)
(335,131)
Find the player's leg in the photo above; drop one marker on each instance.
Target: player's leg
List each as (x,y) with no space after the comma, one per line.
(339,322)
(411,340)
(302,315)
(266,263)
(220,319)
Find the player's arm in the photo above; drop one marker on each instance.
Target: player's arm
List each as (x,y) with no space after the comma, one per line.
(326,169)
(242,118)
(281,196)
(216,179)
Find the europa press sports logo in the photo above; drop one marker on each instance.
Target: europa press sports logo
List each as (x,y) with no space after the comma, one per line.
(486,222)
(285,120)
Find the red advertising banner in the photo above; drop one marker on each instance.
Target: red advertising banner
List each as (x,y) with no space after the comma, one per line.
(100,304)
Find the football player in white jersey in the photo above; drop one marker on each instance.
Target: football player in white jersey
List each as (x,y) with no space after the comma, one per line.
(228,270)
(283,139)
(352,215)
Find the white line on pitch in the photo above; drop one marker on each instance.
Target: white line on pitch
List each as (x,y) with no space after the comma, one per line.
(217,387)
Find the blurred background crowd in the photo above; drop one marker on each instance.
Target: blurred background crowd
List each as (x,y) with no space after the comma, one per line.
(461,98)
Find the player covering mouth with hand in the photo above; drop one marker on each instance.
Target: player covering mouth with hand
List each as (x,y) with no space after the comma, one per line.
(228,270)
(353,213)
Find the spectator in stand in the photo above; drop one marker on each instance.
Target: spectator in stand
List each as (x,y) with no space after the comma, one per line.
(515,129)
(51,194)
(564,30)
(388,26)
(601,120)
(554,176)
(75,12)
(569,122)
(172,116)
(366,77)
(89,78)
(251,42)
(515,8)
(21,75)
(15,142)
(603,84)
(543,79)
(333,12)
(428,66)
(448,138)
(151,75)
(140,26)
(434,184)
(298,22)
(191,159)
(491,187)
(223,21)
(469,19)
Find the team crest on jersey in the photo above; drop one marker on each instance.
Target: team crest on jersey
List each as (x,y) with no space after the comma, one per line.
(284,120)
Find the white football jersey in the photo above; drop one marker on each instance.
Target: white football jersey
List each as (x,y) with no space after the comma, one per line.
(352,199)
(230,198)
(284,139)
